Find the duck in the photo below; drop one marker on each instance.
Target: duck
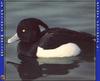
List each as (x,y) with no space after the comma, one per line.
(52,42)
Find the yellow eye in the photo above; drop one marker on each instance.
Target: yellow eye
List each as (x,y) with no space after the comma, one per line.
(23,30)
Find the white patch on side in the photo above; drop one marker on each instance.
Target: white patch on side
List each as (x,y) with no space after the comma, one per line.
(13,38)
(65,50)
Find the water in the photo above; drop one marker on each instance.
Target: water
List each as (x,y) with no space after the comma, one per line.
(74,14)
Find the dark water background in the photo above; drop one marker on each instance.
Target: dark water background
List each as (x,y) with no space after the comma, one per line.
(77,15)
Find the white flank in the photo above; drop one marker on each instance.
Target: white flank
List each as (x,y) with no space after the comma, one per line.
(13,38)
(65,50)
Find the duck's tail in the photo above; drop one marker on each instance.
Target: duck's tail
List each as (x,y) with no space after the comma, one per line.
(89,46)
(89,36)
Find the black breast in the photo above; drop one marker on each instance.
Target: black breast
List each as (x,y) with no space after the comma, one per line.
(26,50)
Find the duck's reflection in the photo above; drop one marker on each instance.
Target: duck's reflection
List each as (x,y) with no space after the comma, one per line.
(28,70)
(58,69)
(32,70)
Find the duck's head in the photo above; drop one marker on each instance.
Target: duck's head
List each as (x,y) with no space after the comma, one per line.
(28,30)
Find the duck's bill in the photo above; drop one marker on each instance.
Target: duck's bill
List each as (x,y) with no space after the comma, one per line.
(13,38)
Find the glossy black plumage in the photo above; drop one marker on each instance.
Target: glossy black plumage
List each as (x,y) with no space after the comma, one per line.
(51,38)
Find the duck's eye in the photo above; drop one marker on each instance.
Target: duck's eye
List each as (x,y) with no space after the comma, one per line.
(23,30)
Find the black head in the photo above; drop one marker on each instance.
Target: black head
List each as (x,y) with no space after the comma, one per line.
(28,29)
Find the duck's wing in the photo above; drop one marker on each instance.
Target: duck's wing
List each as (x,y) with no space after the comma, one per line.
(55,37)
